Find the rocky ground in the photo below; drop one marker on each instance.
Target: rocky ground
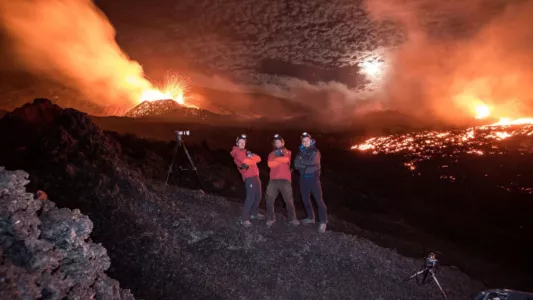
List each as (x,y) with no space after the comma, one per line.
(189,245)
(45,251)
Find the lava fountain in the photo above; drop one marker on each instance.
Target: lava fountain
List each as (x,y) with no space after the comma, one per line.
(174,88)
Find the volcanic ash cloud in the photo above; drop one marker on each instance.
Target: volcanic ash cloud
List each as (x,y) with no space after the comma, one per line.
(73,42)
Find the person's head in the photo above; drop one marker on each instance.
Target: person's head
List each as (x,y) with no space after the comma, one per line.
(306,139)
(241,141)
(278,141)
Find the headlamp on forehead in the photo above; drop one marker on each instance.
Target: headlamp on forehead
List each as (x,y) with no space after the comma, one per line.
(240,137)
(278,137)
(304,135)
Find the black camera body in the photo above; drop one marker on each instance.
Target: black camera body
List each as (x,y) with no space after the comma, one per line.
(431,261)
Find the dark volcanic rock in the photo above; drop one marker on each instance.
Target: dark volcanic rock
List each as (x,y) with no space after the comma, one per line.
(153,108)
(45,252)
(187,245)
(172,110)
(48,141)
(77,165)
(2,113)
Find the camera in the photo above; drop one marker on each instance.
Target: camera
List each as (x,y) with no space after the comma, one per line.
(431,261)
(278,152)
(183,132)
(244,167)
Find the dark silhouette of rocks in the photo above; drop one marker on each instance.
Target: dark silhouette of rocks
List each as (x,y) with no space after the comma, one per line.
(185,244)
(172,110)
(46,252)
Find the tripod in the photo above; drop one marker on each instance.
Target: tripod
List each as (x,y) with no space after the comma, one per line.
(181,144)
(428,270)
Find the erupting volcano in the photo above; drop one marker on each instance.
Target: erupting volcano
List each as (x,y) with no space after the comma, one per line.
(85,54)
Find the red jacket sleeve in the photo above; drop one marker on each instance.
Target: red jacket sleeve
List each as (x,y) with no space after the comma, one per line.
(271,161)
(238,157)
(256,158)
(274,161)
(288,155)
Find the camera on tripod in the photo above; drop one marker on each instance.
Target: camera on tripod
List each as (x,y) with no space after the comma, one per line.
(428,272)
(431,260)
(183,132)
(180,143)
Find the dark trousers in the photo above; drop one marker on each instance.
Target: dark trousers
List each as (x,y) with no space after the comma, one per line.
(283,186)
(253,197)
(312,186)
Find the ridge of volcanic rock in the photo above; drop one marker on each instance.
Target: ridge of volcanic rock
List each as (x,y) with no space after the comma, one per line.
(48,141)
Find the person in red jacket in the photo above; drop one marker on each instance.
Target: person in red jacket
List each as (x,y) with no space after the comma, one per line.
(246,162)
(279,162)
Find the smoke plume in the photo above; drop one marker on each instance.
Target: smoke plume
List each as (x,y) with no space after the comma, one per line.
(458,55)
(74,43)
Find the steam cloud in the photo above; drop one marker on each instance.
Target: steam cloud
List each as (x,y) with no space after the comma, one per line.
(73,42)
(473,52)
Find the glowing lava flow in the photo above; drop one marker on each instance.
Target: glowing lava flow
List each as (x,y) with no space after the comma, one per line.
(479,140)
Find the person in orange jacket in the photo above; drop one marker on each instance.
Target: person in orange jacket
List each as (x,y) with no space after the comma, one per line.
(246,163)
(279,162)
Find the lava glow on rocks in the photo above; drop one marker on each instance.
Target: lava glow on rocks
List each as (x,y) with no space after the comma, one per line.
(419,146)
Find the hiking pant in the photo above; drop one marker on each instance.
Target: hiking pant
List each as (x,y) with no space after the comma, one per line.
(283,186)
(253,197)
(311,186)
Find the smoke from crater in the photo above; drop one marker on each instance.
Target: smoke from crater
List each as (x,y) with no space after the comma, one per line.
(459,55)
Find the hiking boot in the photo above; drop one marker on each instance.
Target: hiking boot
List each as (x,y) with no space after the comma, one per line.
(257,217)
(246,223)
(308,221)
(269,223)
(295,223)
(322,228)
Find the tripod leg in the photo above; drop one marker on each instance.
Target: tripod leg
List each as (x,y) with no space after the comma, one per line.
(171,165)
(414,275)
(194,167)
(438,284)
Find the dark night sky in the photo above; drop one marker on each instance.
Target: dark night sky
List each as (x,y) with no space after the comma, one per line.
(254,41)
(296,44)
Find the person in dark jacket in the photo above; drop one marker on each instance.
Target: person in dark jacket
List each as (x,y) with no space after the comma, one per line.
(246,162)
(279,162)
(307,163)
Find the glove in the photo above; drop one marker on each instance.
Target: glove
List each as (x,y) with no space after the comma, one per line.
(249,154)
